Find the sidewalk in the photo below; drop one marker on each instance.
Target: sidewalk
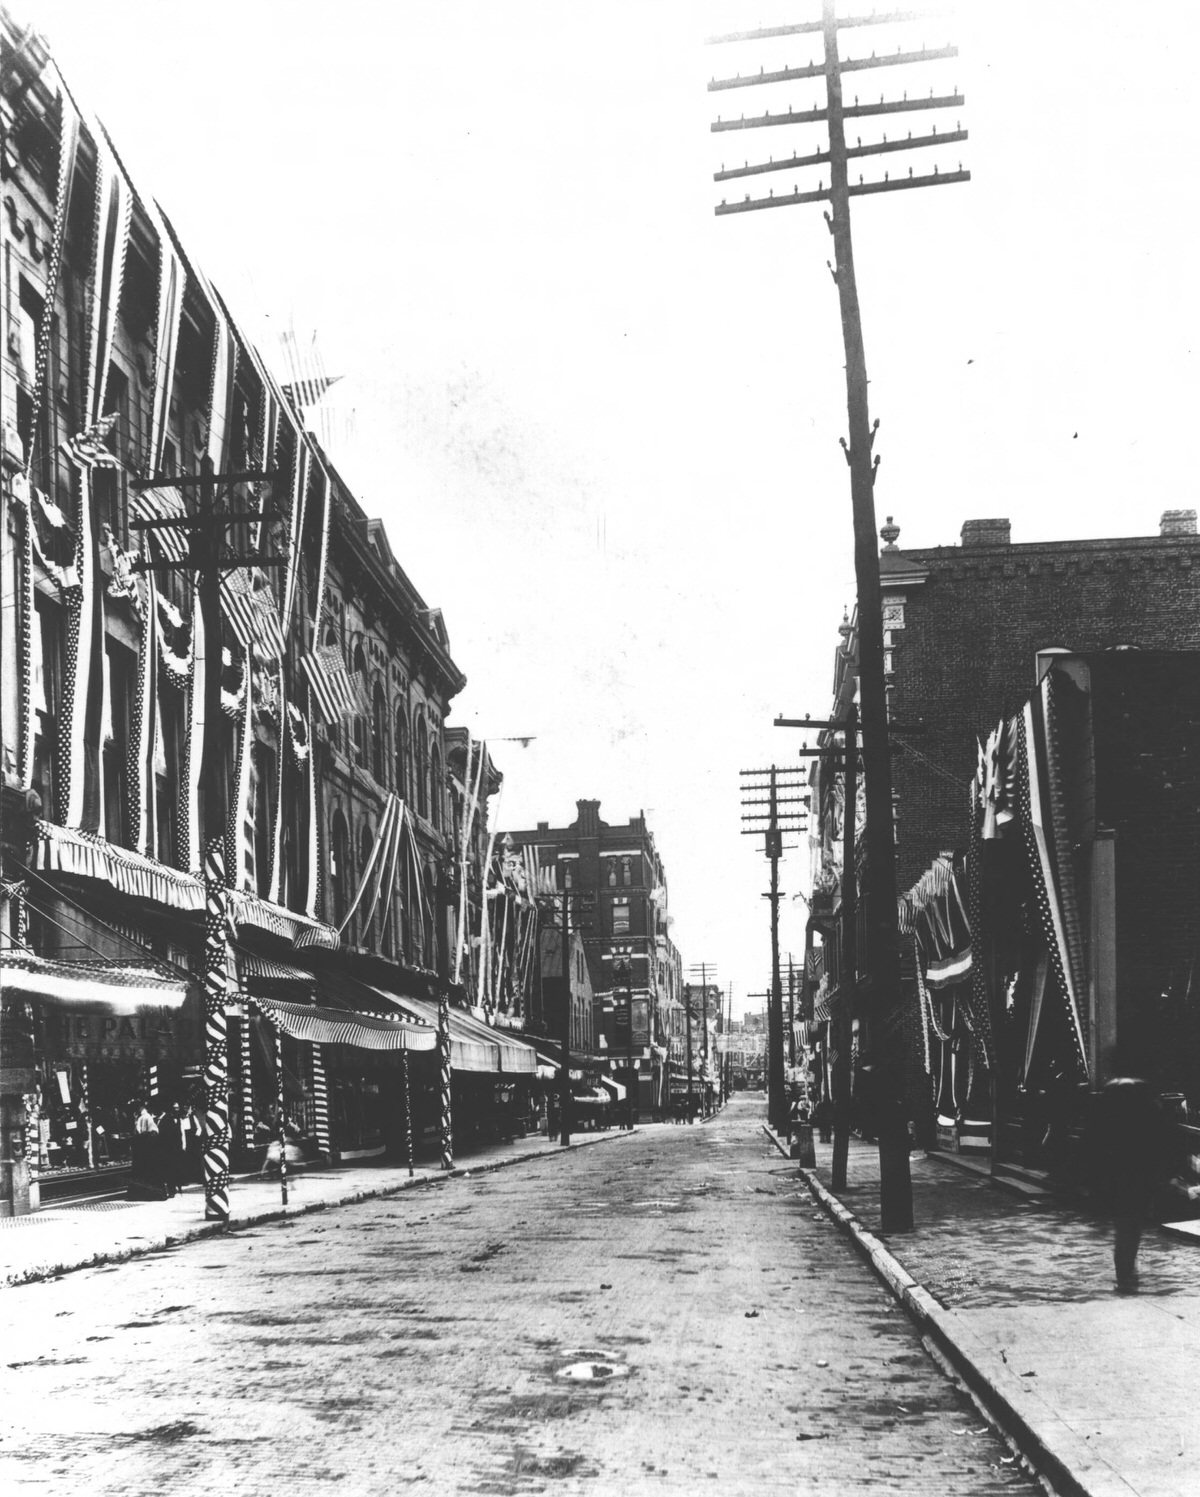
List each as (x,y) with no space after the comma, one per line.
(1100,1391)
(82,1234)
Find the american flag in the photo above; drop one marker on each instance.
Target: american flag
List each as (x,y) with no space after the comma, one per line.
(337,693)
(250,607)
(87,447)
(163,504)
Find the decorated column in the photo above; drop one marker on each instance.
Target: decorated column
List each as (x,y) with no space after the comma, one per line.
(321,1103)
(216,1037)
(408,1133)
(246,1079)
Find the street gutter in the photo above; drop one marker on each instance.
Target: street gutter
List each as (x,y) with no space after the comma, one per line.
(954,1343)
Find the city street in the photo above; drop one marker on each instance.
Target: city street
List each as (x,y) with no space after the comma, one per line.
(663,1313)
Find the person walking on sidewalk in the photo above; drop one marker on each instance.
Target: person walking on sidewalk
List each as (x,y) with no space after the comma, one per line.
(1129,1145)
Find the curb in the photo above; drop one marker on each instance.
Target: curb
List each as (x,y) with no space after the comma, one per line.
(950,1338)
(201,1230)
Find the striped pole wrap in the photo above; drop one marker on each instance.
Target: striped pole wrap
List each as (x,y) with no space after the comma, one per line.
(86,1111)
(152,1082)
(247,1077)
(408,1134)
(280,1119)
(33,1132)
(444,1067)
(27,623)
(321,1101)
(216,1049)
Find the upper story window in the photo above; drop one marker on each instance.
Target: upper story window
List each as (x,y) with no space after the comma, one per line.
(378,733)
(422,768)
(626,872)
(620,916)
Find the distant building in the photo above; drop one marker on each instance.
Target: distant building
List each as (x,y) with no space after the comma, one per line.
(617,893)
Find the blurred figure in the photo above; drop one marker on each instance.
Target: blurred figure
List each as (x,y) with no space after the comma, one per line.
(1130,1146)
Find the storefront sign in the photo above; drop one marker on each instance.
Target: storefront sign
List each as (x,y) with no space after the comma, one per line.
(157,1033)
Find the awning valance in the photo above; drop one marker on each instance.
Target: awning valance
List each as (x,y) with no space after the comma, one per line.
(244,968)
(615,1087)
(333,1026)
(474,1046)
(66,850)
(98,986)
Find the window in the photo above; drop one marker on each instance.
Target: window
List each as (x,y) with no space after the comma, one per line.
(626,873)
(422,768)
(620,916)
(116,748)
(47,702)
(264,807)
(401,747)
(360,723)
(435,787)
(339,867)
(612,875)
(366,932)
(379,739)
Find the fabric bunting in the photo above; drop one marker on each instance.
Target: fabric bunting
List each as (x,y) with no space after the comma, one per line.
(336,692)
(163,504)
(251,610)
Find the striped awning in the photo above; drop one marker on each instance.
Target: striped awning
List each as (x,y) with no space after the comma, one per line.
(63,849)
(474,1046)
(334,1026)
(108,988)
(244,967)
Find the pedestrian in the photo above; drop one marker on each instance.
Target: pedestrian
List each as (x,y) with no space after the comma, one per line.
(146,1182)
(194,1145)
(171,1146)
(1129,1147)
(824,1116)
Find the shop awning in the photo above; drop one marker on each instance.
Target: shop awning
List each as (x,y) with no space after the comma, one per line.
(111,988)
(474,1046)
(334,1026)
(615,1087)
(63,849)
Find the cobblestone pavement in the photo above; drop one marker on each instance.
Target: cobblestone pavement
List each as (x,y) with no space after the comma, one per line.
(1101,1388)
(668,1315)
(976,1245)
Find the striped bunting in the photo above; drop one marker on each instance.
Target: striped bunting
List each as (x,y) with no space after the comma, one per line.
(163,504)
(332,1026)
(249,606)
(337,693)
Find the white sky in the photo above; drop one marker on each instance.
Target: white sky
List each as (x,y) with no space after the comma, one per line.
(601,424)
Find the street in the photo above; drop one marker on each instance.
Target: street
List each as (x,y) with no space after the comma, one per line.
(656,1314)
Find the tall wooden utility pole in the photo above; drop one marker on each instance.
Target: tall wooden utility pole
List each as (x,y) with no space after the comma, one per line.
(704,969)
(883,962)
(767,817)
(564,1074)
(208,557)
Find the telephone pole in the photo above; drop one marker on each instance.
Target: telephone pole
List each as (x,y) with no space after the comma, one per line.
(767,817)
(883,962)
(208,557)
(704,969)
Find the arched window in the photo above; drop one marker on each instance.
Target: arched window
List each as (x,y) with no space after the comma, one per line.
(401,748)
(379,731)
(435,787)
(428,918)
(366,932)
(612,874)
(422,768)
(335,729)
(339,867)
(360,723)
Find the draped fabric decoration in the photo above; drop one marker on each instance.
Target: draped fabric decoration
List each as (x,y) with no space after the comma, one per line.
(145,740)
(381,864)
(1037,835)
(61,850)
(468,825)
(282,776)
(486,999)
(28,635)
(249,605)
(388,898)
(314,846)
(300,461)
(84,693)
(336,691)
(241,829)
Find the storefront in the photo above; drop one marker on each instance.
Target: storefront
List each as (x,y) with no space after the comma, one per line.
(100,1038)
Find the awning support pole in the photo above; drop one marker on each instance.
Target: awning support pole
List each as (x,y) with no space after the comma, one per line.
(216,1037)
(408,1133)
(246,1080)
(321,1102)
(280,1117)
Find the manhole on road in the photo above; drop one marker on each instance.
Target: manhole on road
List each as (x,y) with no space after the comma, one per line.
(590,1364)
(592,1372)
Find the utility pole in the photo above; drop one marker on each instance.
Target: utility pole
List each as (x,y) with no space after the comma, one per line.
(881,931)
(766,817)
(564,1074)
(727,1084)
(208,557)
(623,1024)
(687,1012)
(704,969)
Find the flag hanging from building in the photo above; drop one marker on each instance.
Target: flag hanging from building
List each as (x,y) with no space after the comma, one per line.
(163,504)
(336,691)
(249,606)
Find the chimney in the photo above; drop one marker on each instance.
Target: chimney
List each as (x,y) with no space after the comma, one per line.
(986,532)
(589,817)
(1177,522)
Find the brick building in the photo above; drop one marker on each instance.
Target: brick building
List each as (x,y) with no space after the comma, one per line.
(618,902)
(964,629)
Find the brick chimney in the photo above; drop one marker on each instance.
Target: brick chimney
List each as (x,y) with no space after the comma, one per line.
(1177,522)
(986,532)
(588,820)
